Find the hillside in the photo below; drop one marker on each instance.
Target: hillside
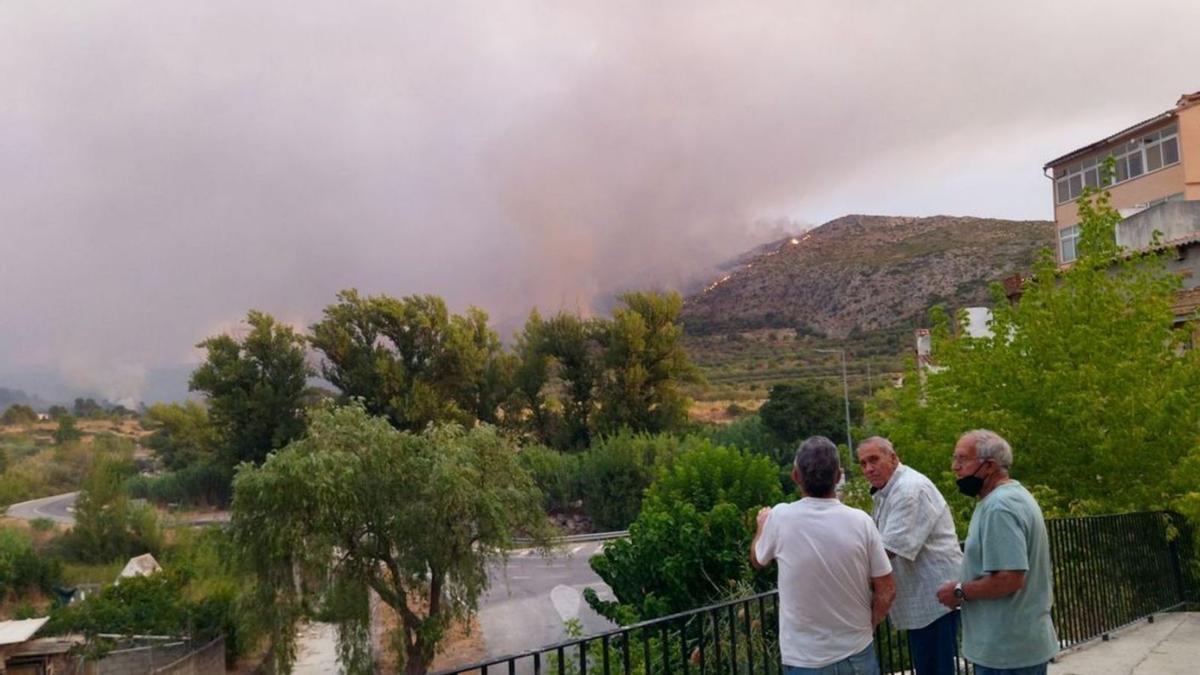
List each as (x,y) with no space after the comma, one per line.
(863,274)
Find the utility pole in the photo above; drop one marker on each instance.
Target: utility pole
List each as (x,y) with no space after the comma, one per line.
(846,398)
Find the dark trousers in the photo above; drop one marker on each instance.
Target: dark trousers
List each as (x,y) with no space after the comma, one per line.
(934,646)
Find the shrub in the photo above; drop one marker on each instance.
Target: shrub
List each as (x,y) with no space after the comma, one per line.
(616,470)
(23,568)
(707,475)
(555,473)
(206,484)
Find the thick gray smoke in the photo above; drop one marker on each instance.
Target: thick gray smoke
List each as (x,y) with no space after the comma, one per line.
(165,166)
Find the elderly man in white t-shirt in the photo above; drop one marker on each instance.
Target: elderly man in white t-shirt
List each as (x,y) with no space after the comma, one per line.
(835,581)
(918,533)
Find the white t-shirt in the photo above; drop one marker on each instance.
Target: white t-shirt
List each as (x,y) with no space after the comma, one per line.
(827,553)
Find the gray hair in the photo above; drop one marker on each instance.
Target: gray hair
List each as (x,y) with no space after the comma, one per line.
(991,445)
(818,465)
(879,441)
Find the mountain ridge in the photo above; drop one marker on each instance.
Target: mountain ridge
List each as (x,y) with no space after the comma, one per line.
(863,273)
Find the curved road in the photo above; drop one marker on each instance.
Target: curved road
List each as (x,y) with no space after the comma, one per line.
(58,508)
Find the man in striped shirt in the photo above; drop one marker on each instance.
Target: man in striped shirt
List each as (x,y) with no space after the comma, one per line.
(918,534)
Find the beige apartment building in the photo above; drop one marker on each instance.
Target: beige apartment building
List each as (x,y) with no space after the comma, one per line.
(1156,188)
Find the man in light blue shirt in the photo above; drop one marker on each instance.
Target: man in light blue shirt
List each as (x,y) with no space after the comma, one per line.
(1005,590)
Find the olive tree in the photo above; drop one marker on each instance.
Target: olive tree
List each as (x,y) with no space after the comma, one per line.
(357,505)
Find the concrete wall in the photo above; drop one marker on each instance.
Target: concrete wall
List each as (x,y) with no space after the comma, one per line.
(1172,219)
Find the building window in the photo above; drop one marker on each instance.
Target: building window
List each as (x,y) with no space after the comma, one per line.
(1148,153)
(1068,241)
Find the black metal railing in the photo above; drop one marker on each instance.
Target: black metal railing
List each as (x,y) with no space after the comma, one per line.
(1109,571)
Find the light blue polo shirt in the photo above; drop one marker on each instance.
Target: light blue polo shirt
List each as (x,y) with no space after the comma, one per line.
(1008,532)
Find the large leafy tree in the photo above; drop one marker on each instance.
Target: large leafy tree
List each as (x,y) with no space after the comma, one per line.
(644,365)
(255,388)
(795,411)
(412,361)
(183,434)
(1085,375)
(416,518)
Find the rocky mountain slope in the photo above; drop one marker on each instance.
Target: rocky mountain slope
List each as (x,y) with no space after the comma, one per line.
(860,274)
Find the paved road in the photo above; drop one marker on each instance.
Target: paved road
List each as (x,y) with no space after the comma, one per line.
(58,508)
(531,599)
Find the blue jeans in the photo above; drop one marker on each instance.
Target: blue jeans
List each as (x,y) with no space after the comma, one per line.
(935,646)
(1029,670)
(862,663)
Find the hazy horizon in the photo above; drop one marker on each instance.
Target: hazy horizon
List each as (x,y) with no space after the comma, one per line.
(167,166)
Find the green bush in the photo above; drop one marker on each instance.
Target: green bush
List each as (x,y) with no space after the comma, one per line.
(205,484)
(23,568)
(707,475)
(615,472)
(556,475)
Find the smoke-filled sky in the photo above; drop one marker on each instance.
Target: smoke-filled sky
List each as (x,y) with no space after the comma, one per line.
(167,165)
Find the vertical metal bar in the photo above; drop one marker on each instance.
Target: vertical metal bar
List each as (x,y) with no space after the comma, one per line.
(666,650)
(732,640)
(745,610)
(512,667)
(625,649)
(716,619)
(537,663)
(646,650)
(762,627)
(683,652)
(700,644)
(583,657)
(604,647)
(562,661)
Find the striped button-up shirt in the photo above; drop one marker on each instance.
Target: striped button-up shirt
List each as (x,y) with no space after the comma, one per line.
(916,525)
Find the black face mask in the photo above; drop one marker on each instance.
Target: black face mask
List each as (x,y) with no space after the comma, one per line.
(971,485)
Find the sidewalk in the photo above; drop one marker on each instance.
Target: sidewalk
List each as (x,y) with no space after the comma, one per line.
(1169,646)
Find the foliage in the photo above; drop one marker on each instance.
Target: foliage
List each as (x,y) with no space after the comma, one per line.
(56,411)
(254,388)
(615,472)
(108,526)
(576,378)
(88,408)
(411,360)
(794,412)
(644,365)
(689,544)
(1085,376)
(66,431)
(44,471)
(18,414)
(556,474)
(183,434)
(203,484)
(417,518)
(22,567)
(752,435)
(706,475)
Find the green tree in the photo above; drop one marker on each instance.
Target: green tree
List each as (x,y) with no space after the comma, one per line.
(183,434)
(794,412)
(18,414)
(644,365)
(1085,376)
(66,430)
(87,408)
(107,525)
(412,361)
(416,518)
(688,545)
(56,411)
(255,388)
